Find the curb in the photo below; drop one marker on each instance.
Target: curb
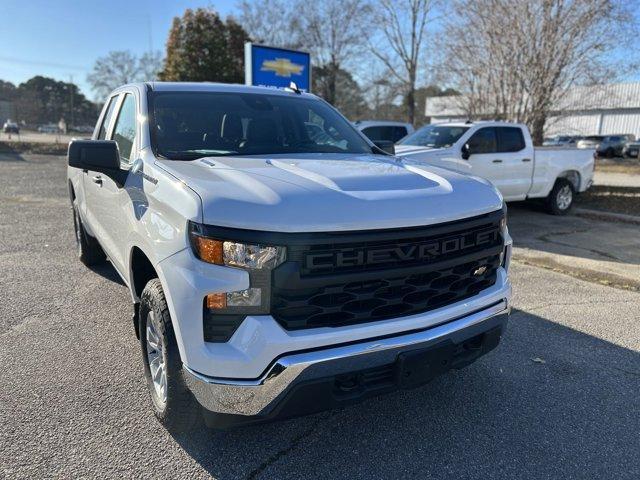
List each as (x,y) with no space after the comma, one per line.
(586,274)
(607,216)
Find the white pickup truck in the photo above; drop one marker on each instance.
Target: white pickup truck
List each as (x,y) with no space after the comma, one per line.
(504,154)
(280,263)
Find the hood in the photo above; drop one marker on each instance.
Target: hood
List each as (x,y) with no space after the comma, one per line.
(329,192)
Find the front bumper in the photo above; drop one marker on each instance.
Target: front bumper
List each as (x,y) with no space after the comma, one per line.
(310,381)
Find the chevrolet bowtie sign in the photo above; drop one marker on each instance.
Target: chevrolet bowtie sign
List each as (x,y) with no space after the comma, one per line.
(282,67)
(276,67)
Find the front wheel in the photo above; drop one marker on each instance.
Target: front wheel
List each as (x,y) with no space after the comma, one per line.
(560,199)
(173,404)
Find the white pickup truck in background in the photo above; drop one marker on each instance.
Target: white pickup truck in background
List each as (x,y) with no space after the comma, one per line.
(504,154)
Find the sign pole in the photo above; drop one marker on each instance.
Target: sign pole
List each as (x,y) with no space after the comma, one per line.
(247,64)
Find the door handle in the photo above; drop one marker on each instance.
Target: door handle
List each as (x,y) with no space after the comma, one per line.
(497,161)
(526,159)
(97,180)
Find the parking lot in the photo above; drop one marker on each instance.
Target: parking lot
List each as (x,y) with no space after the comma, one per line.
(558,399)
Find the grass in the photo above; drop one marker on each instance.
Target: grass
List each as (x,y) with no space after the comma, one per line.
(629,166)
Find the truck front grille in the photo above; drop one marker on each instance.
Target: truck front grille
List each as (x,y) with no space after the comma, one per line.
(370,276)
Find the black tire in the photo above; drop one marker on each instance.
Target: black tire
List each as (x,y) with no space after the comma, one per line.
(179,412)
(89,250)
(610,153)
(557,199)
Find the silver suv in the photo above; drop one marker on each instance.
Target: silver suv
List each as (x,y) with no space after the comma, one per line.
(613,145)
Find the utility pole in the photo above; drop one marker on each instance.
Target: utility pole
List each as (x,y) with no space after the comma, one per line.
(71,100)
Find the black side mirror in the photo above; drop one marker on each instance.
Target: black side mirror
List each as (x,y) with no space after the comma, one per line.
(386,146)
(465,153)
(98,156)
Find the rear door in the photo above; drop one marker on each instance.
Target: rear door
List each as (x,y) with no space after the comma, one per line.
(516,163)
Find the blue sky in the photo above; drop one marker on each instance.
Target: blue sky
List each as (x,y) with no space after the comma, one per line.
(63,38)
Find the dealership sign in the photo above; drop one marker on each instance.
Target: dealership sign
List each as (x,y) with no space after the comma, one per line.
(276,67)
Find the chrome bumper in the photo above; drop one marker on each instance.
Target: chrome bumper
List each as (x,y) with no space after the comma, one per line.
(259,397)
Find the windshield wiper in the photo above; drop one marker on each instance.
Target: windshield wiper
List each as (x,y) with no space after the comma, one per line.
(182,155)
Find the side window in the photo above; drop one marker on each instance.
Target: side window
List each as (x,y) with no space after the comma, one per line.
(379,133)
(483,141)
(510,139)
(124,133)
(398,133)
(102,133)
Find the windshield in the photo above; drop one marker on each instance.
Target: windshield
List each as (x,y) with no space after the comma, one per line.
(190,125)
(435,136)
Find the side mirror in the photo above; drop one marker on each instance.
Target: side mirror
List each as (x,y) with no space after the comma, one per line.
(465,153)
(386,146)
(99,156)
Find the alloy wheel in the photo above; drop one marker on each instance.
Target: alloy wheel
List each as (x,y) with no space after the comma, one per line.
(564,197)
(156,358)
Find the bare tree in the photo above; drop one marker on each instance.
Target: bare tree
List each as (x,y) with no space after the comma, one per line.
(403,24)
(271,22)
(150,65)
(335,32)
(516,62)
(121,67)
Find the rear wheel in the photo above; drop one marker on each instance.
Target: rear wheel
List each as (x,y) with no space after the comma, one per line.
(89,250)
(173,404)
(560,199)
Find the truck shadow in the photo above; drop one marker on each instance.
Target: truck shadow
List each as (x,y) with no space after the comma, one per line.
(108,272)
(571,235)
(549,400)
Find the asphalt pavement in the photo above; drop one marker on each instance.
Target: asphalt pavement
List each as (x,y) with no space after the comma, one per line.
(557,399)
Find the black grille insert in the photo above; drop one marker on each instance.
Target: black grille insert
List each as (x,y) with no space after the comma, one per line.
(337,304)
(340,287)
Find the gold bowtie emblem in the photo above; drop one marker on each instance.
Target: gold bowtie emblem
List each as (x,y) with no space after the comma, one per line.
(479,271)
(282,67)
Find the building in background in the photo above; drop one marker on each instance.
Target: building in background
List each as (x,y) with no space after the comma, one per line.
(595,110)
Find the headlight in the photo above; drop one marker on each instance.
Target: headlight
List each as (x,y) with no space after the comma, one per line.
(224,311)
(503,233)
(252,256)
(234,254)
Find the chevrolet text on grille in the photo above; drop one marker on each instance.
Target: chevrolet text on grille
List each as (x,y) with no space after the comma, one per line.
(427,250)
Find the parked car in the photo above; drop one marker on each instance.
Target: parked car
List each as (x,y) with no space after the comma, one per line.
(613,145)
(275,275)
(49,128)
(10,127)
(561,140)
(82,129)
(380,130)
(590,142)
(631,149)
(503,153)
